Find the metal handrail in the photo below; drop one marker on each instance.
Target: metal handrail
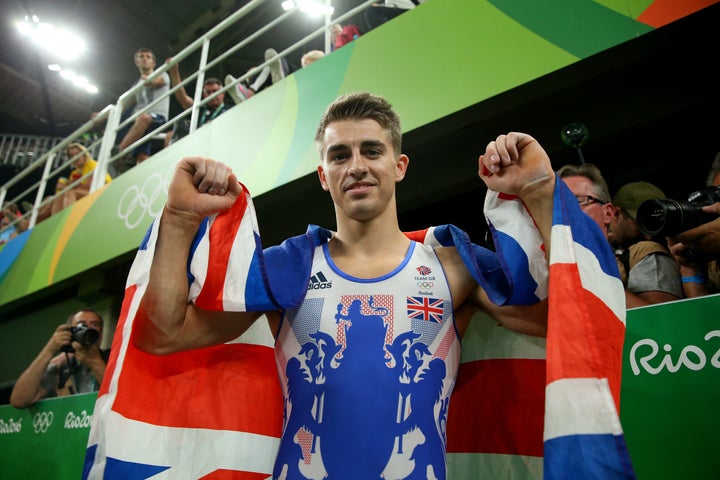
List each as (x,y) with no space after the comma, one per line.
(111,114)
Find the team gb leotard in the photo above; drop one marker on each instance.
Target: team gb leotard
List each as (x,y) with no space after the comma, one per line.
(367,367)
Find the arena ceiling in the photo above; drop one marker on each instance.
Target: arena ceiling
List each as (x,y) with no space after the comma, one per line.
(37,101)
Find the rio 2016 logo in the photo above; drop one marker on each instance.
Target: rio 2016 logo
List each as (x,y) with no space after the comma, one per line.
(691,357)
(83,420)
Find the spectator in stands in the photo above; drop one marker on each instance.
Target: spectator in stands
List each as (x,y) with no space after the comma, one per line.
(653,275)
(343,34)
(275,71)
(698,250)
(84,165)
(210,110)
(157,115)
(386,10)
(310,57)
(11,213)
(65,366)
(402,4)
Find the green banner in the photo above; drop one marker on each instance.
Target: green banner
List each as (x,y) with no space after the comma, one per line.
(671,389)
(46,441)
(669,405)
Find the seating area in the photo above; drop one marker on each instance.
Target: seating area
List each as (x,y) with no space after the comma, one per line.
(31,165)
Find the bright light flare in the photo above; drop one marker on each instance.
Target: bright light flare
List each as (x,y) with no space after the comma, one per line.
(68,75)
(60,42)
(311,7)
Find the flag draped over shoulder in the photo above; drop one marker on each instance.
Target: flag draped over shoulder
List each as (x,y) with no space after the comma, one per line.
(583,437)
(213,413)
(216,413)
(531,408)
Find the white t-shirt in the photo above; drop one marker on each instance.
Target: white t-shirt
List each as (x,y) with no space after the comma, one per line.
(406,4)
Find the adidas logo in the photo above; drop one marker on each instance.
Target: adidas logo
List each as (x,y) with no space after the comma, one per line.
(319,281)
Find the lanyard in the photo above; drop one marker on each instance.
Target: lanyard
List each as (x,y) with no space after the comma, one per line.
(214,114)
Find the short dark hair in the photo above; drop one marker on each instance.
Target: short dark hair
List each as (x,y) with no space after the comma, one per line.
(362,106)
(212,81)
(145,49)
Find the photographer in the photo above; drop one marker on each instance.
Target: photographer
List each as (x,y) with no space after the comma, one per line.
(647,268)
(77,368)
(697,250)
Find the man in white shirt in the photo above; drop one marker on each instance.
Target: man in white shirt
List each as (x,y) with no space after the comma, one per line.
(157,114)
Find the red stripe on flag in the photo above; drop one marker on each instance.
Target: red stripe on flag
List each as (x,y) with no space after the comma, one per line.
(222,238)
(229,387)
(498,406)
(116,346)
(582,324)
(234,475)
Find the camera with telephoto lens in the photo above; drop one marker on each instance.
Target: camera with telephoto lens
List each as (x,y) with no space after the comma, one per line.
(82,334)
(669,217)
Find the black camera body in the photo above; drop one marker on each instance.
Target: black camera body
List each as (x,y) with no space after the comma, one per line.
(670,217)
(82,334)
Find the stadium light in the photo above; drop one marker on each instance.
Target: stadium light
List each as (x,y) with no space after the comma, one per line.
(314,8)
(59,43)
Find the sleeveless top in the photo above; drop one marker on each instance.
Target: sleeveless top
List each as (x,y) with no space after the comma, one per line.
(367,367)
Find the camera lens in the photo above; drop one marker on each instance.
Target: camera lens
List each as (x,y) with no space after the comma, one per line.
(84,335)
(90,336)
(668,217)
(652,215)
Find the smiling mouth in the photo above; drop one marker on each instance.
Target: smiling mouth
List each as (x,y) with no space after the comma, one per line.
(358,186)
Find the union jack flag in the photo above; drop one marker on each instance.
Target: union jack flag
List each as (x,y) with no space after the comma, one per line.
(423,308)
(186,415)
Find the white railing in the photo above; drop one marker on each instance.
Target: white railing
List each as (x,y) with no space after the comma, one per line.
(21,150)
(102,147)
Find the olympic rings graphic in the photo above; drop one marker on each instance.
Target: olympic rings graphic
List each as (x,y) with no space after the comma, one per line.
(42,421)
(425,284)
(137,202)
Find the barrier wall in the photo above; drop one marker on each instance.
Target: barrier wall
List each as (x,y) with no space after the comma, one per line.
(46,441)
(670,394)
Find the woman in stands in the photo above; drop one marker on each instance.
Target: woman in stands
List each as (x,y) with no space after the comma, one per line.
(83,165)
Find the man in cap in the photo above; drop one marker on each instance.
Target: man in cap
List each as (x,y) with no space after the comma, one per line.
(649,272)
